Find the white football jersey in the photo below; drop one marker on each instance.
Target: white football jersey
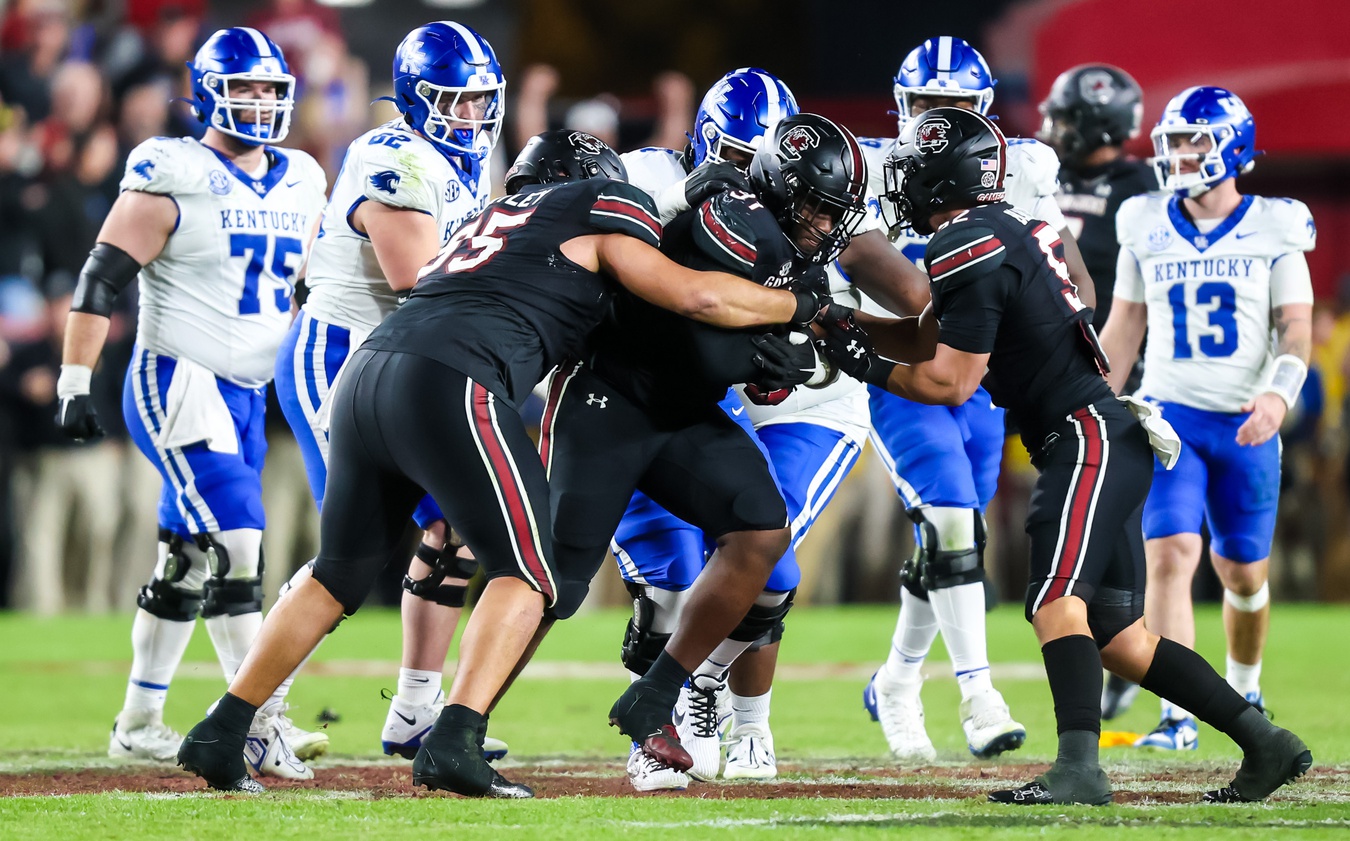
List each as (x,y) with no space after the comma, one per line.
(841,405)
(394,166)
(220,291)
(1208,294)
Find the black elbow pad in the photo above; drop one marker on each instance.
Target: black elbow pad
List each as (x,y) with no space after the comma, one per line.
(106,273)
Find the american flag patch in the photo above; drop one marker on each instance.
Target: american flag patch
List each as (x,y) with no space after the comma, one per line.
(988,164)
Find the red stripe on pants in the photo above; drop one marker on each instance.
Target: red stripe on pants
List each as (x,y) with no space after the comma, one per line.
(1080,496)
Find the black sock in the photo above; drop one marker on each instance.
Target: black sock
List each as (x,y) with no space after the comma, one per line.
(1074,666)
(666,673)
(1189,681)
(460,717)
(234,714)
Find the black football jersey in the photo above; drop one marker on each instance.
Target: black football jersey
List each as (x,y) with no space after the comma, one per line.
(674,366)
(501,303)
(1089,200)
(1000,286)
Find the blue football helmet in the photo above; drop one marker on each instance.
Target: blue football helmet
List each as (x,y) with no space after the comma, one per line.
(242,54)
(943,66)
(436,67)
(1212,119)
(738,111)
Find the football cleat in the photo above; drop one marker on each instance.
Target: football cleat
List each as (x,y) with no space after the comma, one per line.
(990,728)
(405,726)
(1089,786)
(897,707)
(1280,758)
(142,734)
(1118,695)
(750,753)
(643,714)
(648,774)
(307,744)
(269,754)
(451,760)
(700,716)
(1172,734)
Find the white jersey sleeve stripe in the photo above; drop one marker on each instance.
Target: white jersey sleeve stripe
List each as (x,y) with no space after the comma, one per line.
(965,247)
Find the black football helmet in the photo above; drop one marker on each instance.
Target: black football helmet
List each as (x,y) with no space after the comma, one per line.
(563,155)
(945,159)
(1090,106)
(806,168)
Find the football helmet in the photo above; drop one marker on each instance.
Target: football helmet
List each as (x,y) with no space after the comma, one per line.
(563,155)
(809,167)
(435,68)
(1090,106)
(738,111)
(242,54)
(946,158)
(1200,114)
(943,66)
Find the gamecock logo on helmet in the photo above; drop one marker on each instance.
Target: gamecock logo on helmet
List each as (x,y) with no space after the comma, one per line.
(931,137)
(797,141)
(586,143)
(1096,87)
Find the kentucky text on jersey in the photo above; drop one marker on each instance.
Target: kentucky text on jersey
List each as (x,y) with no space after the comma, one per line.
(267,220)
(1191,269)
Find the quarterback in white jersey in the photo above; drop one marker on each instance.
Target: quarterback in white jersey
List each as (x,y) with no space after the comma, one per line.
(812,437)
(403,189)
(1209,273)
(216,232)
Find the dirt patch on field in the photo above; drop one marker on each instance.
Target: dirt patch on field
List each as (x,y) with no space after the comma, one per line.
(1175,785)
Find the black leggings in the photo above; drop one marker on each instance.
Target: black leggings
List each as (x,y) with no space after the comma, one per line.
(404,425)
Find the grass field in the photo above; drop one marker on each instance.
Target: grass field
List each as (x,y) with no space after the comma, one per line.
(64,679)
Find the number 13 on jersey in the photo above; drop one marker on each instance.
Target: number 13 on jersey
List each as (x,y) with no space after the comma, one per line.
(1219,336)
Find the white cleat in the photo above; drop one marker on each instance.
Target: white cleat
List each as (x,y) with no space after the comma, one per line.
(142,734)
(700,715)
(648,774)
(269,754)
(307,744)
(750,753)
(990,728)
(405,726)
(896,706)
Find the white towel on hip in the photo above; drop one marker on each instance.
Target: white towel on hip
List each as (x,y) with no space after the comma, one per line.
(195,411)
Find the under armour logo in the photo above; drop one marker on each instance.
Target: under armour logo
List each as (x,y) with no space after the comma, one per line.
(856,349)
(592,400)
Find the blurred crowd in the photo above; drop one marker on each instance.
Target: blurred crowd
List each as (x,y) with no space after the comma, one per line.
(82,83)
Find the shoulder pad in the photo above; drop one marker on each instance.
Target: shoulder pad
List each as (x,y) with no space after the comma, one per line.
(963,251)
(725,233)
(398,169)
(1295,223)
(1130,218)
(653,169)
(1034,167)
(163,165)
(875,150)
(621,208)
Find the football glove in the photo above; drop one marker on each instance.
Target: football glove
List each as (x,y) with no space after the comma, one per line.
(847,346)
(76,416)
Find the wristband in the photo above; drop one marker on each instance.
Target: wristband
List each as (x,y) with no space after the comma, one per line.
(1284,377)
(74,381)
(808,306)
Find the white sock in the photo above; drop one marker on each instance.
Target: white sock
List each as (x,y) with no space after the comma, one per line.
(750,709)
(1245,679)
(915,631)
(960,616)
(419,687)
(232,635)
(719,662)
(1172,712)
(157,647)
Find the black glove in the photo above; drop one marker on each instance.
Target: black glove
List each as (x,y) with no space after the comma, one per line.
(782,363)
(847,346)
(77,418)
(712,178)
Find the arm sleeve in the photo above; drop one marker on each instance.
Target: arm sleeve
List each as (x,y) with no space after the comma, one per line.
(1129,280)
(621,208)
(399,177)
(1290,280)
(157,166)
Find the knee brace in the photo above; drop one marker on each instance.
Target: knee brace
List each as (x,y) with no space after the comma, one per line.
(236,564)
(774,635)
(1112,611)
(642,644)
(762,619)
(433,587)
(161,597)
(948,556)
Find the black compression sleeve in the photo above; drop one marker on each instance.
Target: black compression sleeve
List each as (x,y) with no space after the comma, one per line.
(106,273)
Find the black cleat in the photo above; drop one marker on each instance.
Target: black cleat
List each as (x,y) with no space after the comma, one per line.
(1117,696)
(1088,786)
(643,715)
(1281,759)
(504,788)
(217,757)
(451,760)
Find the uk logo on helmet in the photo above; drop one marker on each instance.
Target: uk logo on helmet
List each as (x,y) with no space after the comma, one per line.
(931,137)
(586,143)
(797,141)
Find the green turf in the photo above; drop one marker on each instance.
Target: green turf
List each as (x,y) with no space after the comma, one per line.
(64,681)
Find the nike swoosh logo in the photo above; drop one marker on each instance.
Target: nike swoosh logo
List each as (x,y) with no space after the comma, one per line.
(739,411)
(125,745)
(292,183)
(420,679)
(1244,236)
(409,721)
(677,717)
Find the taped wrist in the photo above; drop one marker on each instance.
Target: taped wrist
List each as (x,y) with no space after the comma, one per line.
(809,305)
(106,273)
(74,381)
(1284,377)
